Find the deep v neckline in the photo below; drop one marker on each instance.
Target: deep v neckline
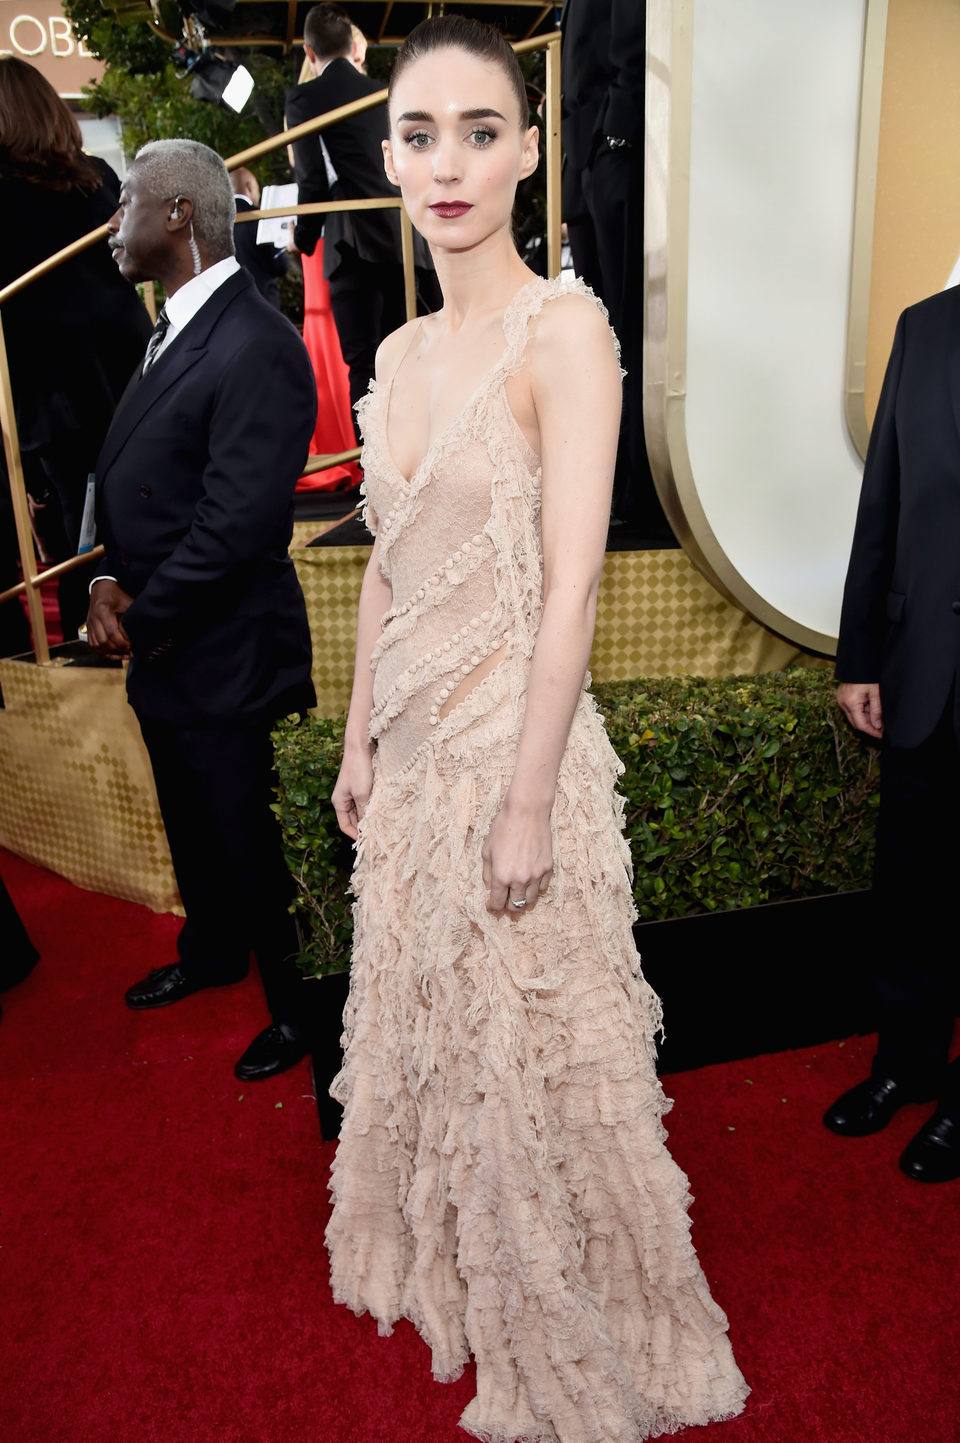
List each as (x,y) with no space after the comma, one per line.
(482,383)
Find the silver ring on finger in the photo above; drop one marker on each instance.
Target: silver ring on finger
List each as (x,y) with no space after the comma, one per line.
(518,901)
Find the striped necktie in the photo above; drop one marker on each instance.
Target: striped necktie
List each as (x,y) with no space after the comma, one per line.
(157,337)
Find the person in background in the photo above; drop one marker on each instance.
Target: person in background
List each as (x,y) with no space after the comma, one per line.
(898,665)
(265,263)
(195,487)
(359,56)
(73,338)
(603,62)
(362,253)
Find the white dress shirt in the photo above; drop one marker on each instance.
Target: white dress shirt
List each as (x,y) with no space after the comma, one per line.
(183,305)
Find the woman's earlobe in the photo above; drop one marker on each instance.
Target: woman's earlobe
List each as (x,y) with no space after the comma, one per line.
(389,171)
(531,151)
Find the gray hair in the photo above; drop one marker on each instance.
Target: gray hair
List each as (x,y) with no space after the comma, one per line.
(187,168)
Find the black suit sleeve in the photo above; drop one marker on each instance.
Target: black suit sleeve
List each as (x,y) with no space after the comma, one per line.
(247,487)
(311,177)
(863,618)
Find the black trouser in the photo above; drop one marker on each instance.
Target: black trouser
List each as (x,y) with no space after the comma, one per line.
(215,790)
(367,304)
(916,969)
(367,300)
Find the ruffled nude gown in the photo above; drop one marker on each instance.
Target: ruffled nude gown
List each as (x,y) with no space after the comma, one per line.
(501,1178)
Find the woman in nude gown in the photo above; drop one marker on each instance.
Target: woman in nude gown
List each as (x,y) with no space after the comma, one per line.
(501,1177)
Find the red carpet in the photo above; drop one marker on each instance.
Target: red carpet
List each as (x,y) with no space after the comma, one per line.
(162,1274)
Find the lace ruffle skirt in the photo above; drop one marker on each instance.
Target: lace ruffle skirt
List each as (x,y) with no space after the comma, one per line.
(501,1178)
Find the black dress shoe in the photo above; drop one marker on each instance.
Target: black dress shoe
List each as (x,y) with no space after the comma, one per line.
(168,984)
(273,1050)
(866,1108)
(934,1154)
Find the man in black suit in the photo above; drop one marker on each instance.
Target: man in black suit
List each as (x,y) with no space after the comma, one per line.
(604,56)
(362,257)
(897,664)
(265,263)
(194,496)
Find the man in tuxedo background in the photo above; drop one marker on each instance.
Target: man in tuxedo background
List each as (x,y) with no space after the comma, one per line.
(604,63)
(362,257)
(195,489)
(897,663)
(265,263)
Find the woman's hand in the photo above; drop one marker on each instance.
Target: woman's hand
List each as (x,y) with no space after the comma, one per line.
(352,792)
(517,858)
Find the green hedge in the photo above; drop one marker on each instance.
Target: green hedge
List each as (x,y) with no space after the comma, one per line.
(738,791)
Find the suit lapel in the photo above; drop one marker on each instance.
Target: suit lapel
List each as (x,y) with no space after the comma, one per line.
(188,348)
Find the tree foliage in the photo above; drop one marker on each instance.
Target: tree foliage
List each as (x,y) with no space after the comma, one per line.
(142,88)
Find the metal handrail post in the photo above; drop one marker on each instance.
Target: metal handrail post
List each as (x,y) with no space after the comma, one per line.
(554,216)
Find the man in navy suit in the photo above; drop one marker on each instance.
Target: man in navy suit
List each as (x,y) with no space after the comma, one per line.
(195,489)
(897,663)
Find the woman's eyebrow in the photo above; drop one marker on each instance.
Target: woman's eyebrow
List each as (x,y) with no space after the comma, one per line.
(424,116)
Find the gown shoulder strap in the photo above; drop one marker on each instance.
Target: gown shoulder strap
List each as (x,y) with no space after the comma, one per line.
(527,305)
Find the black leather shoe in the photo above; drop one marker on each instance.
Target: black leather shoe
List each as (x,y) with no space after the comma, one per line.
(273,1050)
(866,1108)
(168,984)
(934,1154)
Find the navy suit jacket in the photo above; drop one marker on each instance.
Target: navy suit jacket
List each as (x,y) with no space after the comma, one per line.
(900,623)
(195,487)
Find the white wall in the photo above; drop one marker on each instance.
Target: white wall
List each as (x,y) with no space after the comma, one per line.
(776,88)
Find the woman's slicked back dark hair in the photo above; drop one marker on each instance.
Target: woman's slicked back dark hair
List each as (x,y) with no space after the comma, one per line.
(458,32)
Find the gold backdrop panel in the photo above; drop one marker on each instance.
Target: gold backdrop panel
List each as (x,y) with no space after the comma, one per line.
(656,616)
(916,235)
(76,790)
(331,578)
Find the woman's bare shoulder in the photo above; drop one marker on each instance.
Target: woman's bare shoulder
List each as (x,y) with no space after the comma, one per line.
(572,329)
(391,350)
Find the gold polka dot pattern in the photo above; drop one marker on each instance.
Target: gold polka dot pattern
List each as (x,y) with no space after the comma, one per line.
(76,790)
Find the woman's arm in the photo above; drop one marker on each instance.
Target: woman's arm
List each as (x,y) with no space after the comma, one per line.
(352,791)
(575,384)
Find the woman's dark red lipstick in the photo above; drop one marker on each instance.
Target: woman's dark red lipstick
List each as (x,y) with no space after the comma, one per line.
(450,210)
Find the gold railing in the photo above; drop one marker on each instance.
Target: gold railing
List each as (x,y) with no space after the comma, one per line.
(32,578)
